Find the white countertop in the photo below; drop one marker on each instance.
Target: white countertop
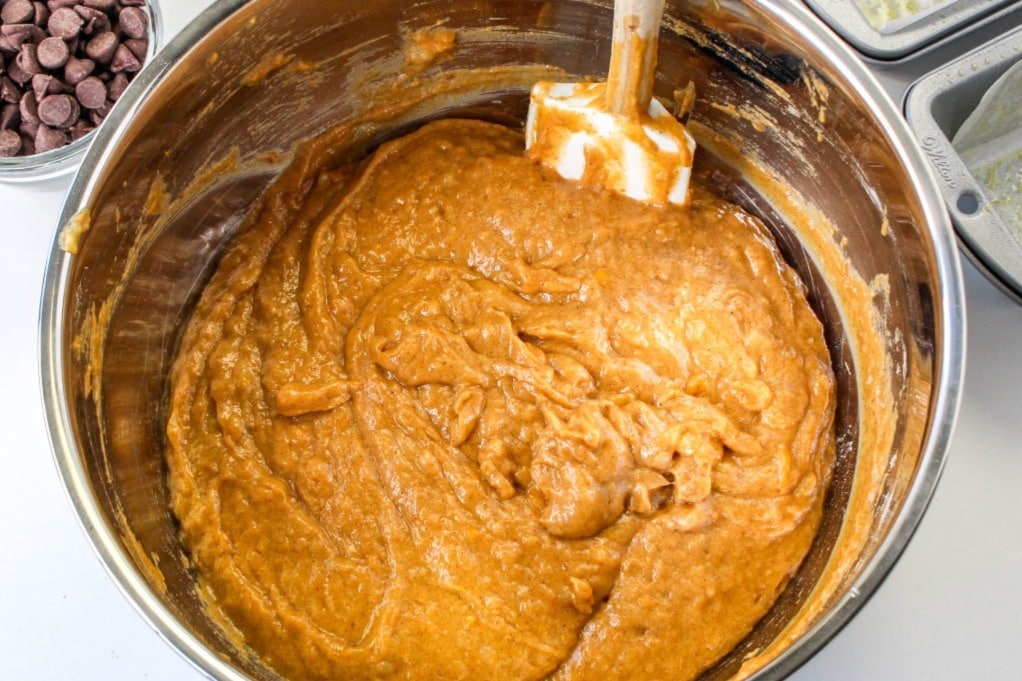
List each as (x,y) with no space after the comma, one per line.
(950,609)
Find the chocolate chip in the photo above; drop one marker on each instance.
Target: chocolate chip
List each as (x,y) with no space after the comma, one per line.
(28,128)
(103,47)
(64,23)
(10,116)
(96,21)
(6,47)
(97,116)
(101,4)
(133,22)
(138,47)
(17,12)
(28,59)
(91,93)
(19,34)
(53,52)
(28,144)
(48,139)
(116,87)
(10,143)
(125,60)
(81,129)
(42,13)
(9,91)
(44,84)
(59,111)
(18,74)
(76,70)
(57,4)
(29,108)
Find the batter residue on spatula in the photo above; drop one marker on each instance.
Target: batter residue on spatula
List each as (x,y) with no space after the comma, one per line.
(615,135)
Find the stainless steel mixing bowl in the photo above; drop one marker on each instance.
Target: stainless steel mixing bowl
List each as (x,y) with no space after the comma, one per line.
(256,76)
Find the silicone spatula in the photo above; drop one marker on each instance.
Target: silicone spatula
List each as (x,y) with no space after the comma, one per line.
(614,134)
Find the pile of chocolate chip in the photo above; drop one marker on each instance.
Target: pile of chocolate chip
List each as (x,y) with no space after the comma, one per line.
(63,63)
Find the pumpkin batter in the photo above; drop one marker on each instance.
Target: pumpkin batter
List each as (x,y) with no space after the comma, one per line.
(446,415)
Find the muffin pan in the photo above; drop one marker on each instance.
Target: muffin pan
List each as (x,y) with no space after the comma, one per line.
(936,105)
(909,36)
(928,50)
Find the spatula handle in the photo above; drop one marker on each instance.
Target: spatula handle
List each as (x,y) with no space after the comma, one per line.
(633,55)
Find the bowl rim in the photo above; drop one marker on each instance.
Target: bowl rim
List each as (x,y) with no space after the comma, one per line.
(948,370)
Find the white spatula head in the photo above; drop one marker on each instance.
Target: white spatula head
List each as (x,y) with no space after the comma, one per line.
(614,134)
(646,157)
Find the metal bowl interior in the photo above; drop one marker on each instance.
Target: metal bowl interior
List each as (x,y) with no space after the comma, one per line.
(113,311)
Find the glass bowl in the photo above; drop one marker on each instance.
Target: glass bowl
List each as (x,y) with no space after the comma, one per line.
(57,163)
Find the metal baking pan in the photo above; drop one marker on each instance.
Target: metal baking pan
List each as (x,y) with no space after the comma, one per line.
(910,40)
(936,105)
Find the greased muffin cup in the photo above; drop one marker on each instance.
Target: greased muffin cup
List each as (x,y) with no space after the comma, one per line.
(64,160)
